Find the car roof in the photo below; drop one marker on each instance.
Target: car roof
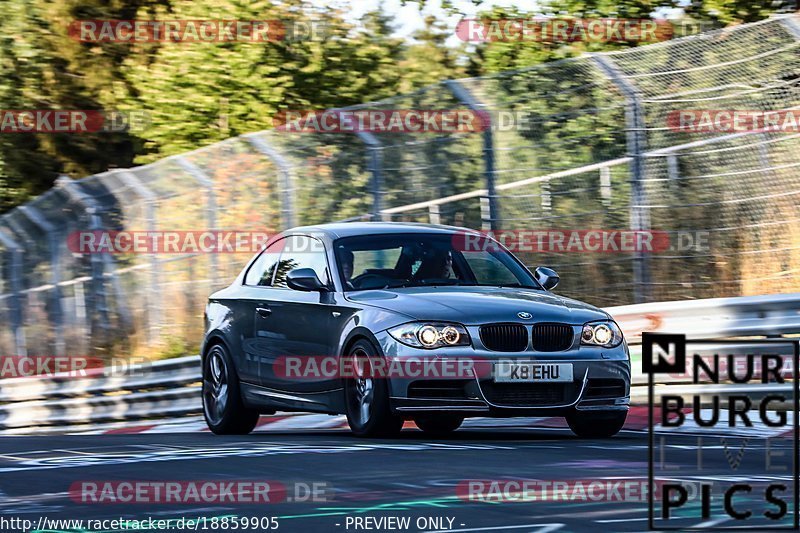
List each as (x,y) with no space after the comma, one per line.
(337,230)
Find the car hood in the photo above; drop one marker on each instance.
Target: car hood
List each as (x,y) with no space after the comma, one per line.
(479,305)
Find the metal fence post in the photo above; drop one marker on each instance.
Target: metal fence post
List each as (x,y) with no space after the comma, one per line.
(672,168)
(434,216)
(375,165)
(154,308)
(286,182)
(100,263)
(54,238)
(211,203)
(636,145)
(493,210)
(25,238)
(15,307)
(605,186)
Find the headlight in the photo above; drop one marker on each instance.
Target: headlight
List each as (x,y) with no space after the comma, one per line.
(431,335)
(606,334)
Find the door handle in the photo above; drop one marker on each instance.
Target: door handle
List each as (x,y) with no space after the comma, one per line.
(263,312)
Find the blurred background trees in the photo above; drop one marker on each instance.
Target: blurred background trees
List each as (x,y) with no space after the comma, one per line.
(198,94)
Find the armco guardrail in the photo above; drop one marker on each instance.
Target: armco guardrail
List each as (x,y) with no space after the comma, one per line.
(171,388)
(746,316)
(716,318)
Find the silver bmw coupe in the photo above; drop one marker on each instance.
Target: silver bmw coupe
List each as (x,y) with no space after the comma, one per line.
(385,322)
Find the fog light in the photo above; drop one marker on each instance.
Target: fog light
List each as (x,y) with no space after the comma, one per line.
(428,335)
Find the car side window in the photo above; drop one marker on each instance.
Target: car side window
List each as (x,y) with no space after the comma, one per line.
(263,268)
(302,252)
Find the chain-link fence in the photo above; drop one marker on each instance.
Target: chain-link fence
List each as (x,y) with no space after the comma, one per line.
(597,151)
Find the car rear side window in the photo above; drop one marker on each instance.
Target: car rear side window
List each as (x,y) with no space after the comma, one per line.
(302,252)
(263,269)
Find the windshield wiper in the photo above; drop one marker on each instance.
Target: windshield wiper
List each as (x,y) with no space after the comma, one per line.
(516,286)
(443,282)
(397,285)
(426,283)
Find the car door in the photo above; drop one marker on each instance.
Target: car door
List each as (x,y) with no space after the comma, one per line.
(254,308)
(300,323)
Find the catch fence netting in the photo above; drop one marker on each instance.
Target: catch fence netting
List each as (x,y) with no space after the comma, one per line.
(584,144)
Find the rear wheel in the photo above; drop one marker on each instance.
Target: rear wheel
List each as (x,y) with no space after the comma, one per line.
(223,409)
(367,396)
(438,424)
(596,424)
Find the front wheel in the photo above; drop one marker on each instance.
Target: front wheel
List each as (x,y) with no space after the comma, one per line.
(596,424)
(223,409)
(367,396)
(438,424)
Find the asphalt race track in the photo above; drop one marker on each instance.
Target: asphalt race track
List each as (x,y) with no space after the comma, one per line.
(412,476)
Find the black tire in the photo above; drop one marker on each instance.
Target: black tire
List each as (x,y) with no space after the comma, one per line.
(438,424)
(367,400)
(596,424)
(224,411)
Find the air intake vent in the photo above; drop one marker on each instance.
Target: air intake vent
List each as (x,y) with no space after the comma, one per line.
(605,388)
(529,394)
(552,337)
(504,337)
(437,388)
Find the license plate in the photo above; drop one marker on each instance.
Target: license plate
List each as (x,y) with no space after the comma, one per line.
(532,372)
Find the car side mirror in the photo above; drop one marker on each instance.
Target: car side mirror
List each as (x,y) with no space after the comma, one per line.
(547,277)
(305,279)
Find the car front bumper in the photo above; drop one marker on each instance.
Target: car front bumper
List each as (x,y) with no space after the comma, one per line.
(601,381)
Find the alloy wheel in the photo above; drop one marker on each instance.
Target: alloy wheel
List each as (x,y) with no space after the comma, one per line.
(215,386)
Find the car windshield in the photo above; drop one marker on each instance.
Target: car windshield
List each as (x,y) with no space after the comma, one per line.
(426,259)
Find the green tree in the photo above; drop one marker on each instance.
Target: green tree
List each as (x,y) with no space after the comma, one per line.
(724,11)
(428,59)
(195,94)
(42,67)
(204,93)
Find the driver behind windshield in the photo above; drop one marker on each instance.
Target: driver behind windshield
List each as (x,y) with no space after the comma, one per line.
(409,260)
(437,265)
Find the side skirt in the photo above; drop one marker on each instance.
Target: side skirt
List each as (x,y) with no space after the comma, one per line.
(271,400)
